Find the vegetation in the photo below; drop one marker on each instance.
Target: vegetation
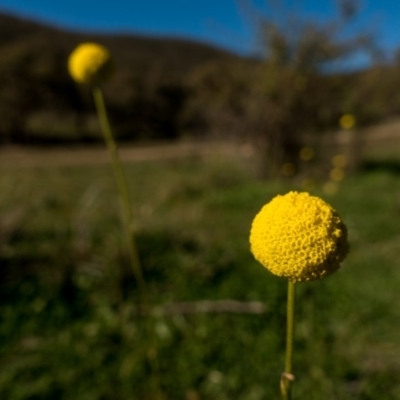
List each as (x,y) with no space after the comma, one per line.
(170,89)
(40,103)
(73,325)
(70,328)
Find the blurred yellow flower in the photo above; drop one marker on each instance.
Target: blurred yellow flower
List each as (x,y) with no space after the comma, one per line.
(337,174)
(306,153)
(339,160)
(90,63)
(299,237)
(347,121)
(330,188)
(308,183)
(288,169)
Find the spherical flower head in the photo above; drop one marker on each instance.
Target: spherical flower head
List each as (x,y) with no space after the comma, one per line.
(91,64)
(347,121)
(299,237)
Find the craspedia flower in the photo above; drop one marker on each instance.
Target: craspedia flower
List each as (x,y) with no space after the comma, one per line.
(347,121)
(299,237)
(306,153)
(91,64)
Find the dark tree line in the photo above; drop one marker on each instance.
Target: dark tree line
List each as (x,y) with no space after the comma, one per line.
(169,89)
(40,103)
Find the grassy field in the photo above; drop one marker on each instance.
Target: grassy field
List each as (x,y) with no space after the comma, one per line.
(69,323)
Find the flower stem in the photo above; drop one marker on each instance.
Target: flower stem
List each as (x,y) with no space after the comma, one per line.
(122,189)
(122,186)
(287,376)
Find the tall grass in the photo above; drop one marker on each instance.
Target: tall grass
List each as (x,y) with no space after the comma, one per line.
(61,293)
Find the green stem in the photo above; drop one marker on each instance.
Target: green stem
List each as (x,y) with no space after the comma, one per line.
(122,188)
(287,376)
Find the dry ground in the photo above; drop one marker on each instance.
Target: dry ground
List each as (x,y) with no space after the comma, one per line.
(375,141)
(17,156)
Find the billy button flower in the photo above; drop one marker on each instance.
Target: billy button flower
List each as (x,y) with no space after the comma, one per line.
(347,121)
(91,64)
(301,238)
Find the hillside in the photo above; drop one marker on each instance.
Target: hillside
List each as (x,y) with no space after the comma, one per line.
(37,93)
(175,55)
(168,88)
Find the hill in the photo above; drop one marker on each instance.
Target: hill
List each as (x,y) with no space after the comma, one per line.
(168,88)
(176,55)
(37,91)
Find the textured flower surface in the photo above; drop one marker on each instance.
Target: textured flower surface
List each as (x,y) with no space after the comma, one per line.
(90,63)
(299,237)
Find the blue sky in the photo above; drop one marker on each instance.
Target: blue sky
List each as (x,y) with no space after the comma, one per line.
(224,23)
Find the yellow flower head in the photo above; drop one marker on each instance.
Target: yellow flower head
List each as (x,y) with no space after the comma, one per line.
(347,121)
(339,161)
(299,237)
(288,169)
(90,63)
(306,153)
(337,174)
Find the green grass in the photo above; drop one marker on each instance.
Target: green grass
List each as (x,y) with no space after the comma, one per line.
(68,328)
